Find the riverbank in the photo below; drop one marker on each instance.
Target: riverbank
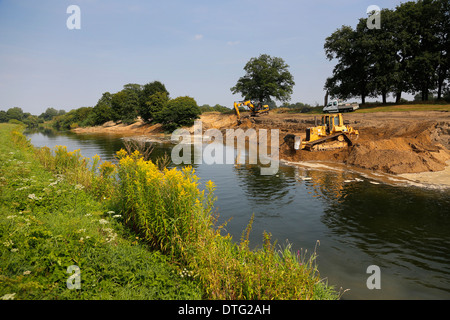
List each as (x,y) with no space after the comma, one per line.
(410,144)
(83,215)
(49,223)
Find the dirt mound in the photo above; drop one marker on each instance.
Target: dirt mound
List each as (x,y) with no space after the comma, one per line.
(392,148)
(111,127)
(216,120)
(399,149)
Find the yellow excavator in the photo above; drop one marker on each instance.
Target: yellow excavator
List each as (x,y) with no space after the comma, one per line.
(255,108)
(330,134)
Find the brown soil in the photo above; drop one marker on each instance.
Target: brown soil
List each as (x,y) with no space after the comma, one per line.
(137,128)
(390,142)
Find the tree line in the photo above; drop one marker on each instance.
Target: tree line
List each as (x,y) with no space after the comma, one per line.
(151,102)
(16,115)
(409,53)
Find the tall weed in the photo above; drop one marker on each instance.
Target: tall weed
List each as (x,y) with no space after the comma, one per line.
(168,209)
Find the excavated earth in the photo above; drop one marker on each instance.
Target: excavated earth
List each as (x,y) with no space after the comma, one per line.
(391,142)
(401,142)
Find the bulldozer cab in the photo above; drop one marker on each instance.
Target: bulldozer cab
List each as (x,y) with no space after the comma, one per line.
(332,123)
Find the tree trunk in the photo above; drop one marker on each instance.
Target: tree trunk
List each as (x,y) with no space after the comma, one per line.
(383,94)
(440,85)
(398,96)
(425,93)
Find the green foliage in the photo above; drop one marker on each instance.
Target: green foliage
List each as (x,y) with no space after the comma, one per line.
(15,121)
(49,114)
(102,111)
(297,107)
(17,116)
(153,105)
(170,212)
(181,111)
(408,54)
(15,113)
(216,108)
(154,97)
(74,118)
(48,223)
(265,77)
(125,103)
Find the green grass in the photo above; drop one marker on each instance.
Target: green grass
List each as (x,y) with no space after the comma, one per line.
(405,107)
(48,223)
(371,108)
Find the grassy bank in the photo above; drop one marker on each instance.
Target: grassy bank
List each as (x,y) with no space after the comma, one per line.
(404,107)
(375,107)
(49,221)
(133,229)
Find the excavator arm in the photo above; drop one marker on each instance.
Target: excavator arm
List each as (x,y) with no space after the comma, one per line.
(255,108)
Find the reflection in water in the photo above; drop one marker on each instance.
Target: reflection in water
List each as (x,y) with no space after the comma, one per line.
(262,188)
(405,233)
(403,230)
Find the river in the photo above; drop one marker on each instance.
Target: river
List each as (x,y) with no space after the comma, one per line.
(352,220)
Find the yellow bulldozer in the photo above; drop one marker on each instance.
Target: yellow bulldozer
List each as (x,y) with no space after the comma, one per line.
(331,134)
(255,108)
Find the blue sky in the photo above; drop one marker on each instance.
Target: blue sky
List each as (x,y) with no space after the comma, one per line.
(196,48)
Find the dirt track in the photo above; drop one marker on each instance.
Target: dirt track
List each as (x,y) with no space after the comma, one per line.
(390,142)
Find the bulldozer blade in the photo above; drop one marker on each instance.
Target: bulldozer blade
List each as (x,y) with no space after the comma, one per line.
(329,143)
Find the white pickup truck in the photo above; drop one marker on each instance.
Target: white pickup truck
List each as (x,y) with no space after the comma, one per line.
(339,106)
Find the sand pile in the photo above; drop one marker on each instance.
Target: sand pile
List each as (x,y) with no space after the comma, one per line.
(399,149)
(111,127)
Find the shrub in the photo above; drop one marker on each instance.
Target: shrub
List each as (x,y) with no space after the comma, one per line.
(178,112)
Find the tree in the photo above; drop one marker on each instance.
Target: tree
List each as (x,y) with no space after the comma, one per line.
(154,97)
(31,121)
(125,103)
(154,104)
(383,54)
(408,54)
(178,112)
(15,113)
(424,45)
(117,105)
(353,72)
(3,116)
(49,114)
(265,77)
(103,111)
(441,32)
